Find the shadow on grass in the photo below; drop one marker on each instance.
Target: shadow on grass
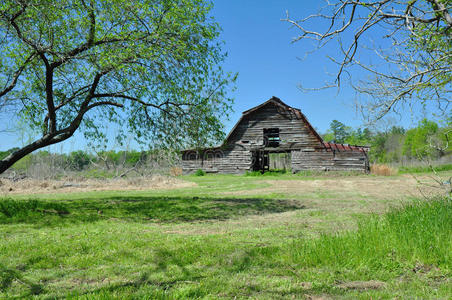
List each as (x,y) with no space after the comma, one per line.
(166,262)
(181,280)
(137,208)
(8,276)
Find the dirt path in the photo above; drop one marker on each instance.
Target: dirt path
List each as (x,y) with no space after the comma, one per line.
(33,186)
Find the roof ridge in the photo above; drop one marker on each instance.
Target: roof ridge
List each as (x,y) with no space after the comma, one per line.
(279,102)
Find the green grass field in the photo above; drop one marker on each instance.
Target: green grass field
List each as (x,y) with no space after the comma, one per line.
(228,237)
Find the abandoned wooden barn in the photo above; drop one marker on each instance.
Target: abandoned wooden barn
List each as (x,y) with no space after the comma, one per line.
(275,135)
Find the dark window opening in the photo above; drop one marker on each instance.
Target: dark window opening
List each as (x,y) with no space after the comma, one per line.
(271,137)
(245,142)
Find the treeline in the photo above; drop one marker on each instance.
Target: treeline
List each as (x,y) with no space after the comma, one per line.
(428,140)
(397,145)
(100,164)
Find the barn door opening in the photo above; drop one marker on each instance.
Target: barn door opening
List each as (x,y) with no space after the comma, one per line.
(261,161)
(280,161)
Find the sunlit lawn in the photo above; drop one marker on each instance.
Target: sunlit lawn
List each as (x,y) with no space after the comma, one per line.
(219,240)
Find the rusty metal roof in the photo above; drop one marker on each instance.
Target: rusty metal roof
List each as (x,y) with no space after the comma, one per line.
(345,147)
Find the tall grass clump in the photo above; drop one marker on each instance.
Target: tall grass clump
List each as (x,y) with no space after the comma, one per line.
(416,234)
(382,170)
(274,172)
(200,172)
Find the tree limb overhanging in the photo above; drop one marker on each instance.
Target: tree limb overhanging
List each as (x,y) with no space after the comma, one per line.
(413,62)
(151,66)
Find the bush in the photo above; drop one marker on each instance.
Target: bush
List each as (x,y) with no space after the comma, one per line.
(78,160)
(200,172)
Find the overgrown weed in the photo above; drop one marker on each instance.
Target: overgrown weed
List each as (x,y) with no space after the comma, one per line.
(382,170)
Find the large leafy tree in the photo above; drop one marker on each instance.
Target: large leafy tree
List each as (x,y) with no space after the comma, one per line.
(418,140)
(151,66)
(395,52)
(339,130)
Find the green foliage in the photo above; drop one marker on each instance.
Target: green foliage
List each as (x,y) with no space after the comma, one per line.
(328,136)
(339,131)
(23,164)
(154,67)
(417,140)
(3,154)
(200,172)
(434,39)
(427,140)
(78,160)
(359,137)
(133,157)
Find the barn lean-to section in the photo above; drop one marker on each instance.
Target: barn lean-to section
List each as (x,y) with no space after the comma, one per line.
(274,129)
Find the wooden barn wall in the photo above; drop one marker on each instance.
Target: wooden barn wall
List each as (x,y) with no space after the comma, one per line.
(232,160)
(307,152)
(350,161)
(329,161)
(238,160)
(293,132)
(312,160)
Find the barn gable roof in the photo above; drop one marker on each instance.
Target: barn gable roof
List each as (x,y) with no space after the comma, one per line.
(329,146)
(276,101)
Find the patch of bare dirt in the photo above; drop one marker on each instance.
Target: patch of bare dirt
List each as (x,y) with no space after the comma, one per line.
(34,186)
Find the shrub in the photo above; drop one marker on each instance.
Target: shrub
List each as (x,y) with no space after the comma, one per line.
(200,172)
(78,160)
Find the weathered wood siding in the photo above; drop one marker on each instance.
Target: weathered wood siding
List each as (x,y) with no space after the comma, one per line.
(351,161)
(305,148)
(312,160)
(329,160)
(230,160)
(293,132)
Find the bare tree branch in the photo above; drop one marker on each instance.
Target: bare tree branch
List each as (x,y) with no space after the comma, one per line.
(416,66)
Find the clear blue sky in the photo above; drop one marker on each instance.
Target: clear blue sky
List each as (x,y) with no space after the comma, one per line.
(259,48)
(269,64)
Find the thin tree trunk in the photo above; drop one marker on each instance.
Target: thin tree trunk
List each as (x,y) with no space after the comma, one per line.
(46,140)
